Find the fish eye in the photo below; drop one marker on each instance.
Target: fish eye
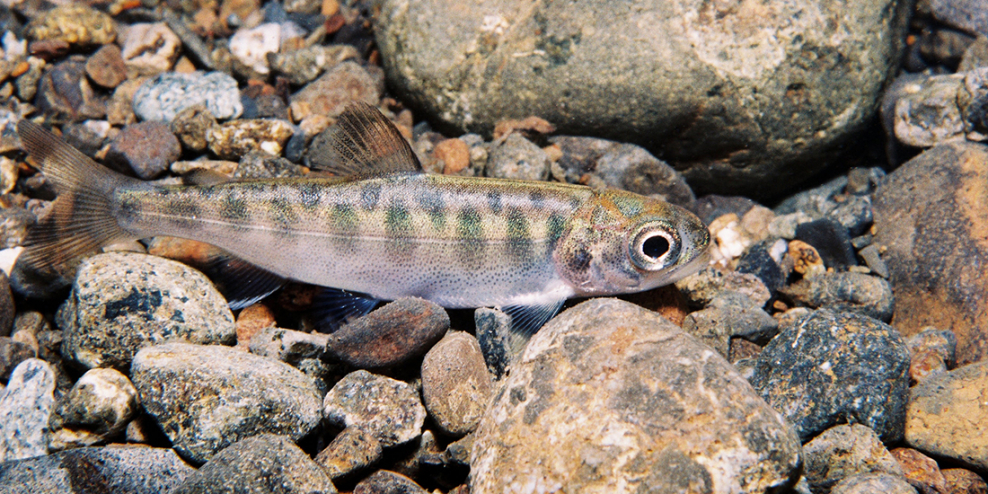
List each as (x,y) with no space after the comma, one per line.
(655,246)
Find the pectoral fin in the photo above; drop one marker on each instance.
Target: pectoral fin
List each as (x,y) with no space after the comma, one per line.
(333,307)
(526,320)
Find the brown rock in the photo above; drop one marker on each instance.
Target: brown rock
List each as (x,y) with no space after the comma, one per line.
(807,261)
(64,94)
(330,93)
(920,470)
(192,125)
(924,364)
(106,67)
(873,483)
(668,301)
(385,482)
(388,336)
(236,138)
(12,353)
(352,450)
(149,49)
(946,416)
(7,311)
(455,155)
(120,110)
(961,481)
(530,124)
(74,23)
(931,218)
(455,383)
(844,451)
(251,320)
(147,148)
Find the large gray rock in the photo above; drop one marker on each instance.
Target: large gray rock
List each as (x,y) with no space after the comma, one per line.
(134,470)
(205,398)
(25,405)
(729,93)
(610,397)
(122,302)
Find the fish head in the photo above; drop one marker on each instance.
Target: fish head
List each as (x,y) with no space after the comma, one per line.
(621,242)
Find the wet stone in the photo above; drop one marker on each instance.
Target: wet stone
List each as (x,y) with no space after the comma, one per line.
(287,345)
(961,481)
(831,240)
(713,206)
(120,110)
(847,291)
(236,138)
(76,24)
(706,284)
(65,95)
(942,420)
(844,451)
(608,369)
(456,386)
(192,125)
(729,315)
(385,482)
(454,153)
(122,302)
(205,398)
(931,222)
(391,335)
(149,49)
(147,148)
(25,405)
(873,259)
(102,401)
(27,83)
(832,367)
(331,92)
(106,67)
(164,96)
(387,408)
(83,137)
(870,483)
(352,450)
(920,470)
(265,106)
(259,464)
(137,470)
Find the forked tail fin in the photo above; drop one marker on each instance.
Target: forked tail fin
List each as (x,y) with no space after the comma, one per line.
(81,220)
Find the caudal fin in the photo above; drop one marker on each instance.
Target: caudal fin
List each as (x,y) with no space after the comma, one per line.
(81,219)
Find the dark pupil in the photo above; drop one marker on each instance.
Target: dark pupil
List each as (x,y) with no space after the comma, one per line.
(654,247)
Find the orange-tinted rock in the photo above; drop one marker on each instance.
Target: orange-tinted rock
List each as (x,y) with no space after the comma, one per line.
(455,154)
(920,469)
(931,218)
(961,481)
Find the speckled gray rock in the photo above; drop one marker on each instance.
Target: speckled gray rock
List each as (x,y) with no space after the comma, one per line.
(386,482)
(927,114)
(102,401)
(518,158)
(607,398)
(121,302)
(494,336)
(968,15)
(205,398)
(456,386)
(387,408)
(304,65)
(261,464)
(845,291)
(944,343)
(12,353)
(730,314)
(713,88)
(130,469)
(833,367)
(872,483)
(947,416)
(703,286)
(351,450)
(621,165)
(25,405)
(328,95)
(844,451)
(164,96)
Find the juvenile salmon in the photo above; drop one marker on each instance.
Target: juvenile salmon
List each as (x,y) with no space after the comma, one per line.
(385,229)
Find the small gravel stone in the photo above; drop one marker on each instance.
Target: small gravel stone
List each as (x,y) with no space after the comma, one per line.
(873,259)
(261,464)
(192,125)
(454,153)
(27,83)
(258,164)
(236,138)
(943,343)
(121,302)
(518,158)
(943,420)
(848,291)
(927,113)
(385,482)
(871,483)
(836,366)
(729,315)
(251,47)
(136,470)
(961,481)
(831,240)
(920,470)
(387,408)
(844,451)
(164,96)
(975,56)
(606,383)
(304,65)
(74,23)
(65,95)
(120,109)
(287,345)
(330,93)
(759,260)
(106,67)
(205,398)
(784,225)
(350,451)
(391,335)
(12,353)
(102,400)
(149,49)
(456,386)
(25,405)
(147,148)
(706,284)
(494,338)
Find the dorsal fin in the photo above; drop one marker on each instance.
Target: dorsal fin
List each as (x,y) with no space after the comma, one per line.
(364,142)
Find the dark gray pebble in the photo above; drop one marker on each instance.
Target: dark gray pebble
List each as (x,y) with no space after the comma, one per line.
(834,367)
(262,464)
(81,137)
(399,331)
(386,482)
(6,306)
(65,95)
(713,206)
(387,408)
(847,291)
(758,261)
(12,353)
(136,470)
(147,148)
(494,336)
(831,241)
